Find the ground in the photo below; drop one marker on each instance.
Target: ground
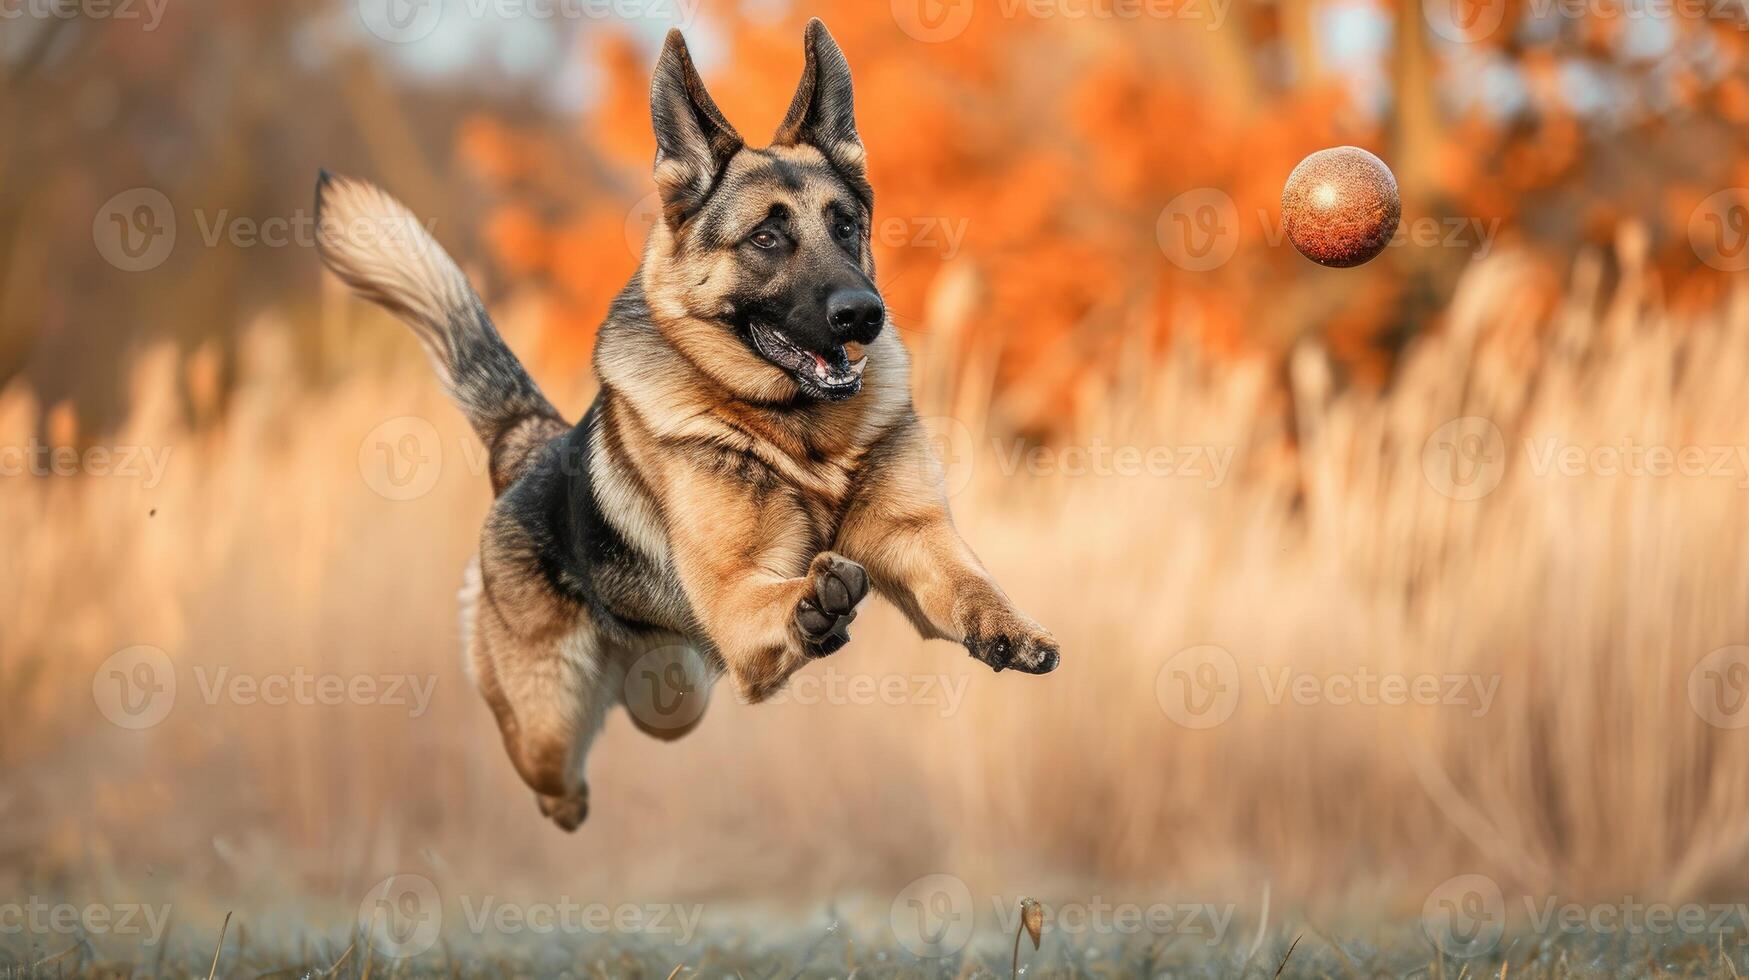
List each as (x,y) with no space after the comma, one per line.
(833,952)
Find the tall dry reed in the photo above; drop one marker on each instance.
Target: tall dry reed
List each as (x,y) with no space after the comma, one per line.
(1562,615)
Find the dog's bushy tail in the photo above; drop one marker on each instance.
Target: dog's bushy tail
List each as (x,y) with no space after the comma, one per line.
(381,250)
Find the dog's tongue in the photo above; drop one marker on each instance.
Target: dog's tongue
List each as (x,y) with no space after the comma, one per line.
(820,362)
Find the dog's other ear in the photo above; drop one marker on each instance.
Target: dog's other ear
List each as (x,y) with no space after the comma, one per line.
(823,112)
(693,140)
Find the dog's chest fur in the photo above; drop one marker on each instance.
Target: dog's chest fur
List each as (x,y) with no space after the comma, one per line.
(604,500)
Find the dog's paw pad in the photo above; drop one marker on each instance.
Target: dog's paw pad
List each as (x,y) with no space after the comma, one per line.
(1030,654)
(812,621)
(839,584)
(824,618)
(830,643)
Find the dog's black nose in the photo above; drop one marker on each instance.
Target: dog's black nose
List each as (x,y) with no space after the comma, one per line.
(855,314)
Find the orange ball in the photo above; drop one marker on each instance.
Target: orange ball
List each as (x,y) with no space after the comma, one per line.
(1340,206)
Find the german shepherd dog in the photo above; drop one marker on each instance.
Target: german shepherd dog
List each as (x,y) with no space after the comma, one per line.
(752,465)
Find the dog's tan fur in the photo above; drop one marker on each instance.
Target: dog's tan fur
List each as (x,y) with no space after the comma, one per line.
(742,514)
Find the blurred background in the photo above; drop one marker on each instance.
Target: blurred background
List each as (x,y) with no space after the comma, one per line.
(1368,581)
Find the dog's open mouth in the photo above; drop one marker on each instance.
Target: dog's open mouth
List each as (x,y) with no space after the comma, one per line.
(831,375)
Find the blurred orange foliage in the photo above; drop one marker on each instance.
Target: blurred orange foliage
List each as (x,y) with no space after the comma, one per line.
(1037,153)
(1040,152)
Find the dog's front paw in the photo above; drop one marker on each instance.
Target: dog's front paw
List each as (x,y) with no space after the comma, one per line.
(1012,640)
(824,617)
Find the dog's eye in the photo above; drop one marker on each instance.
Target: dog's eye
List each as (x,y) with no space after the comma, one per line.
(844,229)
(764,238)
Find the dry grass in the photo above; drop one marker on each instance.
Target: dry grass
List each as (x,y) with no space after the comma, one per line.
(1586,599)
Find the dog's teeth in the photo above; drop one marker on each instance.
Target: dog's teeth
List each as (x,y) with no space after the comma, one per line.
(857,365)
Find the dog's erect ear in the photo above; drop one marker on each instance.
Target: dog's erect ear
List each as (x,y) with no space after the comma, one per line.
(693,140)
(823,113)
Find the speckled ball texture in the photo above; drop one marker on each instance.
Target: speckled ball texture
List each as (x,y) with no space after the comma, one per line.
(1340,206)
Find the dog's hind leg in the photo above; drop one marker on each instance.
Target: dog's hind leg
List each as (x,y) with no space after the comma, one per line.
(549,695)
